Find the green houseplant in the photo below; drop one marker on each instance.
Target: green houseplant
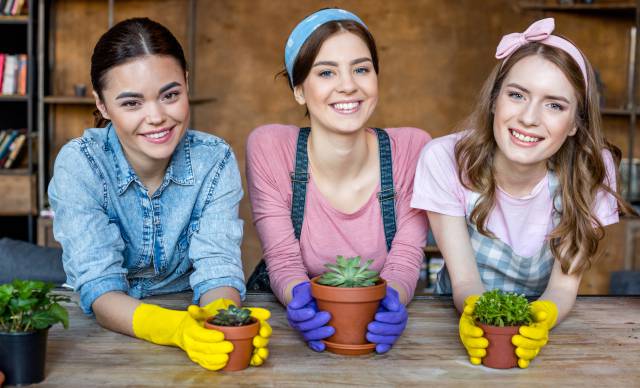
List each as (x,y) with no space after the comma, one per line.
(351,293)
(27,310)
(239,327)
(500,315)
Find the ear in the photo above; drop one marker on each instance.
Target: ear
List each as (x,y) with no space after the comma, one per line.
(100,106)
(299,95)
(573,131)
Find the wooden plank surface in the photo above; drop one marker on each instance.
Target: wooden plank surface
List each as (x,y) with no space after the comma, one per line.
(598,344)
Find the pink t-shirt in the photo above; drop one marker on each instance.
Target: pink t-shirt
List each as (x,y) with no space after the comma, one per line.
(327,232)
(522,223)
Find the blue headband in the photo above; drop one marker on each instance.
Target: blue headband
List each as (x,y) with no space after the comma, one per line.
(305,28)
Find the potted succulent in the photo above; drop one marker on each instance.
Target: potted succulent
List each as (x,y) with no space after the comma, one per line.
(239,327)
(351,293)
(27,311)
(500,315)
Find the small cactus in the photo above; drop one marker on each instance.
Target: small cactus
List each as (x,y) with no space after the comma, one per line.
(233,316)
(349,273)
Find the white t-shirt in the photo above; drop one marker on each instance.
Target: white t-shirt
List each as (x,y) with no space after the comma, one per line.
(522,223)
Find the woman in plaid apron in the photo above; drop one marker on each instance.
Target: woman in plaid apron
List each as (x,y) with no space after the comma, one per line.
(517,201)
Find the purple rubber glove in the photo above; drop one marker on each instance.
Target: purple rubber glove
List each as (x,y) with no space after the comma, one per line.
(388,323)
(303,315)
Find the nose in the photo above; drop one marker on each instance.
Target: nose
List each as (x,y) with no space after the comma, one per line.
(530,115)
(347,83)
(154,113)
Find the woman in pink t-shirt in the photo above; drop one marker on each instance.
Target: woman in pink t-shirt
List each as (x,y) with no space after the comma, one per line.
(338,187)
(518,202)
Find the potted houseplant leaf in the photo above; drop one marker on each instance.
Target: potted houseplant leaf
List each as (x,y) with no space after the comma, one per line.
(238,327)
(351,293)
(500,315)
(27,310)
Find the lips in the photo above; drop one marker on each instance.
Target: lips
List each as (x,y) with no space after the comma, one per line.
(524,137)
(346,107)
(159,136)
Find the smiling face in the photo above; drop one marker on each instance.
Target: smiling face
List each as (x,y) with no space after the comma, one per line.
(535,112)
(341,90)
(146,100)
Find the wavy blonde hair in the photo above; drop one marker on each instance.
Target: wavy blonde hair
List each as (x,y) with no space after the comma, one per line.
(578,163)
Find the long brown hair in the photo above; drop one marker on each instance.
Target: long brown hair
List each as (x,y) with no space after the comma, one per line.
(578,163)
(126,41)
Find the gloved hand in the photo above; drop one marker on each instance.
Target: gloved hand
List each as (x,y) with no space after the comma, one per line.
(177,328)
(389,322)
(470,334)
(260,341)
(303,315)
(533,337)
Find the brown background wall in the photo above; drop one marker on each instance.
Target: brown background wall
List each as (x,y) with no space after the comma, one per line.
(434,56)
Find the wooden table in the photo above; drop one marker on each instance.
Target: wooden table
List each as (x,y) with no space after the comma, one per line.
(598,344)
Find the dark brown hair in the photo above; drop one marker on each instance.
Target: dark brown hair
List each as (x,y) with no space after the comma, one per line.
(126,41)
(578,163)
(309,50)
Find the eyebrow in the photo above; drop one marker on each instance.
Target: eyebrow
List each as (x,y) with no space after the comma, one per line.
(335,64)
(139,95)
(550,97)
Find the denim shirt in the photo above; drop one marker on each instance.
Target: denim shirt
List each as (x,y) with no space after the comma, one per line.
(115,237)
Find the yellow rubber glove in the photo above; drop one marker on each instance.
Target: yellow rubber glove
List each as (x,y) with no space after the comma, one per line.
(470,334)
(177,328)
(533,337)
(260,341)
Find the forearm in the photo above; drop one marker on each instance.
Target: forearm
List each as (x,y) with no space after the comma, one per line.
(114,311)
(221,292)
(564,300)
(288,289)
(462,290)
(402,294)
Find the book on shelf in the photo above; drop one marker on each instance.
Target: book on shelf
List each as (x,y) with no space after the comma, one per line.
(12,7)
(13,68)
(6,142)
(15,150)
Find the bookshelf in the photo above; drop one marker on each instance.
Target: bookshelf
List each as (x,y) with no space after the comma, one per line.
(17,111)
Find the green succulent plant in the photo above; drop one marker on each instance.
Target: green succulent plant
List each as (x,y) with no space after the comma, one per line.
(349,273)
(232,316)
(497,308)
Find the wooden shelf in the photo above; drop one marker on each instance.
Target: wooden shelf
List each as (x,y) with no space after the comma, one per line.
(621,6)
(16,19)
(13,98)
(73,100)
(617,112)
(14,171)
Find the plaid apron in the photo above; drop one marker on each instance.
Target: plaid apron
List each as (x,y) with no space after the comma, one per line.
(499,266)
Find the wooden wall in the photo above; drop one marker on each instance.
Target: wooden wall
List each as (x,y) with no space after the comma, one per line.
(434,56)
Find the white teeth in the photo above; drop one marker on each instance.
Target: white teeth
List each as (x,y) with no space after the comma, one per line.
(525,138)
(157,135)
(346,105)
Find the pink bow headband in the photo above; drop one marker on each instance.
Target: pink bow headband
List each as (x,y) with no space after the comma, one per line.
(540,31)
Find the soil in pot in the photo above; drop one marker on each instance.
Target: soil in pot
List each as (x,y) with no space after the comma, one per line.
(501,353)
(22,356)
(242,339)
(351,309)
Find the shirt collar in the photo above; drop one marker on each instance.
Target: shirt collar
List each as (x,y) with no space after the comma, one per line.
(178,171)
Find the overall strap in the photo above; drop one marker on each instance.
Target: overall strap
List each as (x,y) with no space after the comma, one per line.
(299,179)
(387,194)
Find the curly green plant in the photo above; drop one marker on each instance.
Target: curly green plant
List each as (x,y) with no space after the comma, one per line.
(28,305)
(232,316)
(497,308)
(349,273)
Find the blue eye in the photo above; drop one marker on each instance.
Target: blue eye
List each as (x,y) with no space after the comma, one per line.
(515,95)
(362,70)
(325,73)
(556,106)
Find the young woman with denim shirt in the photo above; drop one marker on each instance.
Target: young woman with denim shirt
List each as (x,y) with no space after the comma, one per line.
(351,185)
(143,206)
(518,200)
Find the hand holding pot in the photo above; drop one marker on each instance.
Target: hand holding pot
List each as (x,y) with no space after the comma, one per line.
(260,341)
(178,328)
(303,315)
(389,322)
(471,335)
(533,337)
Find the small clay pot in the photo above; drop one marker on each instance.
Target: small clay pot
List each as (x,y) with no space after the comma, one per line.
(242,339)
(351,309)
(501,353)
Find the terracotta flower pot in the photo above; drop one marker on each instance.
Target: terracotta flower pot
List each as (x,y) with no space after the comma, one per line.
(242,339)
(501,353)
(351,309)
